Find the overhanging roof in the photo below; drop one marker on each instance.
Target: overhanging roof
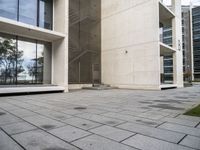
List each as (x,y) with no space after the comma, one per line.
(165,14)
(25,30)
(165,49)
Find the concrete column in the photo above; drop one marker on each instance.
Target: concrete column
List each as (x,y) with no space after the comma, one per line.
(177,43)
(192,48)
(47,64)
(60,47)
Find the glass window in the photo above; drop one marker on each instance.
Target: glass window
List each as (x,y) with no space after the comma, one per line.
(7,59)
(43,62)
(33,12)
(8,9)
(27,61)
(24,61)
(40,62)
(28,11)
(46,11)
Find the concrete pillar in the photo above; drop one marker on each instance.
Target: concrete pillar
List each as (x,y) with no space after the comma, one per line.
(60,47)
(177,43)
(192,48)
(47,64)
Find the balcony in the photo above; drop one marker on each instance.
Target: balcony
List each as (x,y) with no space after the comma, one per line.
(166,15)
(165,49)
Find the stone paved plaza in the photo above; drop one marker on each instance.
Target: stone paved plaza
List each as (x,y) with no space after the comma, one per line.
(101,120)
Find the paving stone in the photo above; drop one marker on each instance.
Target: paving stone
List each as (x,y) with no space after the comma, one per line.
(8,107)
(40,140)
(101,119)
(191,141)
(113,108)
(134,119)
(181,129)
(181,121)
(82,123)
(43,122)
(69,133)
(54,114)
(8,119)
(72,111)
(23,113)
(112,133)
(150,116)
(6,143)
(190,118)
(95,142)
(167,106)
(94,111)
(34,108)
(153,132)
(19,127)
(198,126)
(148,143)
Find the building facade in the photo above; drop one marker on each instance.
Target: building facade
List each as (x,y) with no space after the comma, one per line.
(186,46)
(79,42)
(196,42)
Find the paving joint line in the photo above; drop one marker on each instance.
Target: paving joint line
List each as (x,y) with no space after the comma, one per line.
(13,139)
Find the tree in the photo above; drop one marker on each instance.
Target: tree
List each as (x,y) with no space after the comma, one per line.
(10,60)
(36,69)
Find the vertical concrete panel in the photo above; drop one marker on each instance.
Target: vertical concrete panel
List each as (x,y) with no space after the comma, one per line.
(177,43)
(60,47)
(130,44)
(47,64)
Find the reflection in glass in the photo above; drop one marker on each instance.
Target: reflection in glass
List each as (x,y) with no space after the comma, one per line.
(27,75)
(33,12)
(8,9)
(7,60)
(45,18)
(28,11)
(40,62)
(24,61)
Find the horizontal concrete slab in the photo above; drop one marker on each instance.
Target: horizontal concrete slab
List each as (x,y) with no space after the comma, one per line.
(25,30)
(31,89)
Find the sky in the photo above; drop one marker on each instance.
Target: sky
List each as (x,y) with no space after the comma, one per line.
(185,2)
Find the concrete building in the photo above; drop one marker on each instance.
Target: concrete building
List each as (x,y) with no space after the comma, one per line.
(196,42)
(131,49)
(74,43)
(186,45)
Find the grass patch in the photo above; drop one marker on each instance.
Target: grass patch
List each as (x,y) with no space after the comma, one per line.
(194,112)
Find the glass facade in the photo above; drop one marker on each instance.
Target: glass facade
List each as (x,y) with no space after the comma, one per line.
(22,60)
(45,14)
(33,12)
(28,11)
(167,76)
(9,9)
(84,41)
(196,41)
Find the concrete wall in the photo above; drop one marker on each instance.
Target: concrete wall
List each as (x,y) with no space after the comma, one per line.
(60,47)
(47,64)
(177,43)
(130,44)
